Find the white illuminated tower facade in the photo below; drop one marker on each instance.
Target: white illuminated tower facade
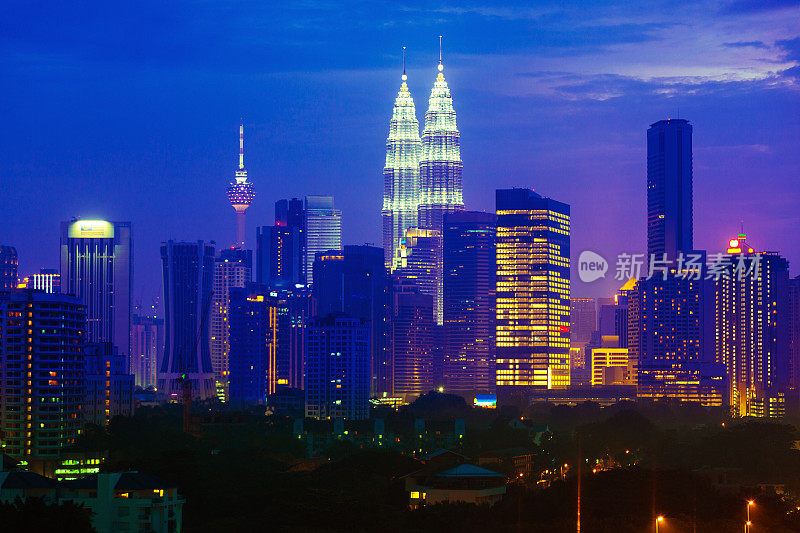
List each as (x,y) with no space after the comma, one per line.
(401,185)
(241,193)
(441,188)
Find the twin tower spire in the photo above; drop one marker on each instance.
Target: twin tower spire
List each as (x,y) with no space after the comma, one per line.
(422,177)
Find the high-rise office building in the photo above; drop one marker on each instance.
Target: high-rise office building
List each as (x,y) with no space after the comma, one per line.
(469,302)
(241,194)
(294,310)
(441,189)
(671,339)
(254,344)
(401,183)
(280,249)
(412,338)
(109,386)
(47,280)
(419,259)
(354,282)
(337,368)
(533,306)
(794,331)
(188,281)
(582,319)
(97,267)
(232,268)
(323,230)
(752,325)
(669,188)
(147,347)
(41,372)
(671,315)
(8,268)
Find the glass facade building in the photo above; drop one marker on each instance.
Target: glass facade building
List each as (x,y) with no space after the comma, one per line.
(97,267)
(669,188)
(533,305)
(354,282)
(337,368)
(752,326)
(323,230)
(253,344)
(188,269)
(42,372)
(469,302)
(401,182)
(232,268)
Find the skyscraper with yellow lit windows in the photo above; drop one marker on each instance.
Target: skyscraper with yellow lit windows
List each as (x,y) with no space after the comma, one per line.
(532,294)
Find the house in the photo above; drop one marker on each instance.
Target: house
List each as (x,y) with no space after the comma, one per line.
(127,502)
(462,483)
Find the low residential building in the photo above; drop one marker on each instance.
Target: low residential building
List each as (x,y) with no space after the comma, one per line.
(462,483)
(127,501)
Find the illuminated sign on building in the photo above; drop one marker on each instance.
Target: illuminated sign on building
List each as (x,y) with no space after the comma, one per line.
(91,229)
(487,401)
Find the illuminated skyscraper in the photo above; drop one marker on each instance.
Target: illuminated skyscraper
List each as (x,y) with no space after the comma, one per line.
(412,338)
(42,372)
(469,302)
(671,318)
(671,339)
(353,281)
(533,306)
(241,193)
(280,249)
(97,267)
(419,260)
(109,386)
(401,174)
(337,368)
(8,268)
(794,331)
(752,326)
(147,347)
(253,344)
(188,281)
(323,230)
(441,190)
(232,268)
(669,188)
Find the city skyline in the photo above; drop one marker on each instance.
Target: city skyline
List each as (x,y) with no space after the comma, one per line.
(739,93)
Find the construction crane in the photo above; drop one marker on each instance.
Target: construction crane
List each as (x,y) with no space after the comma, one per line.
(186,383)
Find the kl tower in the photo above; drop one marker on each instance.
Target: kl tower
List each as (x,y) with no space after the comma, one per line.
(241,193)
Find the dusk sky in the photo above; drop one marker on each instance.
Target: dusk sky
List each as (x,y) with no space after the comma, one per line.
(130,111)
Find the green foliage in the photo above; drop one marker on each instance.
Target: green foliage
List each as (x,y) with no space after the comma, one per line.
(33,515)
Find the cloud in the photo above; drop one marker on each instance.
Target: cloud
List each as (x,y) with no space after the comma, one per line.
(746,44)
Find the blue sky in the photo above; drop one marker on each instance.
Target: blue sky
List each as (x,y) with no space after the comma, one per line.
(130,110)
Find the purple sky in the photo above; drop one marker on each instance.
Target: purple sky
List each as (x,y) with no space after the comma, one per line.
(130,111)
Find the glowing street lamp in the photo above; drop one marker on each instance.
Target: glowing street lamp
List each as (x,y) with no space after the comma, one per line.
(659,519)
(747,524)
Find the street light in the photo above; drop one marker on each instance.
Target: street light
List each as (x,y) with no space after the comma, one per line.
(659,519)
(747,524)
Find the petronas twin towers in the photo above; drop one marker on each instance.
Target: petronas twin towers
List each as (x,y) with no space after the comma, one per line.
(422,177)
